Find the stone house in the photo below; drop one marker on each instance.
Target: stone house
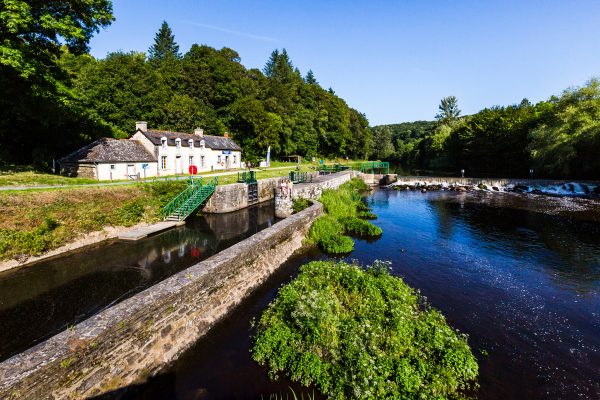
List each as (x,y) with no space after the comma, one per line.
(151,153)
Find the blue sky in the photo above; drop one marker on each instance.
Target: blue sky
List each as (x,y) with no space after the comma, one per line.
(392,60)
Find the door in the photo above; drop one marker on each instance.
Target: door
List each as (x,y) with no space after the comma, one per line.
(178,165)
(130,169)
(227,162)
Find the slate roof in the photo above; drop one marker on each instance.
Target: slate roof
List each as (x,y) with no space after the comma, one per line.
(107,150)
(213,142)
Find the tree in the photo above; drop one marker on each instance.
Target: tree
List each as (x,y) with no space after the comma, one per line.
(36,111)
(310,78)
(271,65)
(164,46)
(448,109)
(32,32)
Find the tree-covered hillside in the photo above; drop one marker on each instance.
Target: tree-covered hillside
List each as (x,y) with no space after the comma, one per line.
(86,98)
(557,138)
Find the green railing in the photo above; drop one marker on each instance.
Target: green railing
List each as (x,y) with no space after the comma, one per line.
(333,168)
(190,199)
(373,166)
(247,177)
(300,177)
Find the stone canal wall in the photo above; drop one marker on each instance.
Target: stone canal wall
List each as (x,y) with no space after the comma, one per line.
(140,336)
(227,198)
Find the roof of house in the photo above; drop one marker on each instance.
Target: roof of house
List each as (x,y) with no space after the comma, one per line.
(107,150)
(213,142)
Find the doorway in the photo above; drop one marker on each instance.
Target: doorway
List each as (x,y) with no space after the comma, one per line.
(178,165)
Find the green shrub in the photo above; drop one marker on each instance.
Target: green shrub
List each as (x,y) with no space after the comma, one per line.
(359,227)
(366,215)
(300,204)
(342,208)
(362,334)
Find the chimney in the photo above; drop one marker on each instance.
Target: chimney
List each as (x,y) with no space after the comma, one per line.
(199,132)
(226,134)
(141,126)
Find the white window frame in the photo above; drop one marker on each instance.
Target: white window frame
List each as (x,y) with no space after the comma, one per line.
(178,143)
(219,159)
(191,144)
(163,142)
(191,160)
(202,162)
(113,167)
(163,162)
(202,145)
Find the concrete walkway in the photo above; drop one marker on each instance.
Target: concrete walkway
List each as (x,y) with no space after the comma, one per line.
(140,233)
(169,178)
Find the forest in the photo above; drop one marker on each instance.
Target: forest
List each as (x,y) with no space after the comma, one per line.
(56,97)
(555,138)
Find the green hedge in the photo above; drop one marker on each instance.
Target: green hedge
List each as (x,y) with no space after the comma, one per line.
(362,334)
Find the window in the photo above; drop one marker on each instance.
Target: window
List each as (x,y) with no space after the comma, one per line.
(178,143)
(219,159)
(191,144)
(202,161)
(163,162)
(112,166)
(163,142)
(202,144)
(234,159)
(191,160)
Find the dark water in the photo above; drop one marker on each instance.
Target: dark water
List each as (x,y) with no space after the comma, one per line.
(41,300)
(519,274)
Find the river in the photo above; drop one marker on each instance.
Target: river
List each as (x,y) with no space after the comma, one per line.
(520,274)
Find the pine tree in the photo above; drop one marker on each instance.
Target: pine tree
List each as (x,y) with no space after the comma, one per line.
(310,78)
(448,109)
(164,46)
(271,65)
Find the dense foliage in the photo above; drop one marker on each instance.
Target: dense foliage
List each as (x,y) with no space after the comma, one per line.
(82,98)
(362,334)
(344,214)
(559,137)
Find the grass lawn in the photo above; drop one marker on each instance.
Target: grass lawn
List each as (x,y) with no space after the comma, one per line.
(33,178)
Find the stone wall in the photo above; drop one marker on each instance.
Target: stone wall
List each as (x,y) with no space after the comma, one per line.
(227,198)
(140,336)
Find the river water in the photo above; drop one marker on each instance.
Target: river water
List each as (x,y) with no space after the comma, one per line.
(41,300)
(520,274)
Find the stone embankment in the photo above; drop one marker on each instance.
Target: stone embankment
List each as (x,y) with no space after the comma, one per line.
(140,336)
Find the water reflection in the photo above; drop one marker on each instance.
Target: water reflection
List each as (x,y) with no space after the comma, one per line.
(38,301)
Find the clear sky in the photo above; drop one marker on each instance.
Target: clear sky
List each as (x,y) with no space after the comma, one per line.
(392,60)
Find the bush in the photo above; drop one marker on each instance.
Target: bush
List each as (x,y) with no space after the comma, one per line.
(366,215)
(362,334)
(359,227)
(342,207)
(299,205)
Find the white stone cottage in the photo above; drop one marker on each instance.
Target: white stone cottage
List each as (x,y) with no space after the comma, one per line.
(151,153)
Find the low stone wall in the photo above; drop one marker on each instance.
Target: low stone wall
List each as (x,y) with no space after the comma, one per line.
(138,337)
(227,198)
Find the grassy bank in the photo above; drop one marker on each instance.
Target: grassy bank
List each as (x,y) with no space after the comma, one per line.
(32,223)
(355,333)
(345,213)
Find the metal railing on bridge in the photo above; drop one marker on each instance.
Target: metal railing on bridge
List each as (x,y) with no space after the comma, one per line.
(372,167)
(300,177)
(247,177)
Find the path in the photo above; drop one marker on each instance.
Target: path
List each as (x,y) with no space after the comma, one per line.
(18,188)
